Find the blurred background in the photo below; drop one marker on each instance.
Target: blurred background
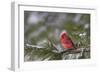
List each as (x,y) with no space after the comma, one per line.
(41,26)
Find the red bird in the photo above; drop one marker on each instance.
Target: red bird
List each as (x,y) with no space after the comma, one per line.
(66,41)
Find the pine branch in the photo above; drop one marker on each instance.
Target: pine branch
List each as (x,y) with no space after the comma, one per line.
(75,51)
(53,44)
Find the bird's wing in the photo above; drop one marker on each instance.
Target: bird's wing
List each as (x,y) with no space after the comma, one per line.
(69,41)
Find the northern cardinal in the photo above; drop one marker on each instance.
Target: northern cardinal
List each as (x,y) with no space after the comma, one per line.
(66,41)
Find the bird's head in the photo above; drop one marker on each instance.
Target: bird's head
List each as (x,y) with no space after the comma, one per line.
(63,33)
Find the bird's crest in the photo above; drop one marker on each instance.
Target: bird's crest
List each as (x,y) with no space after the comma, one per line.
(63,32)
